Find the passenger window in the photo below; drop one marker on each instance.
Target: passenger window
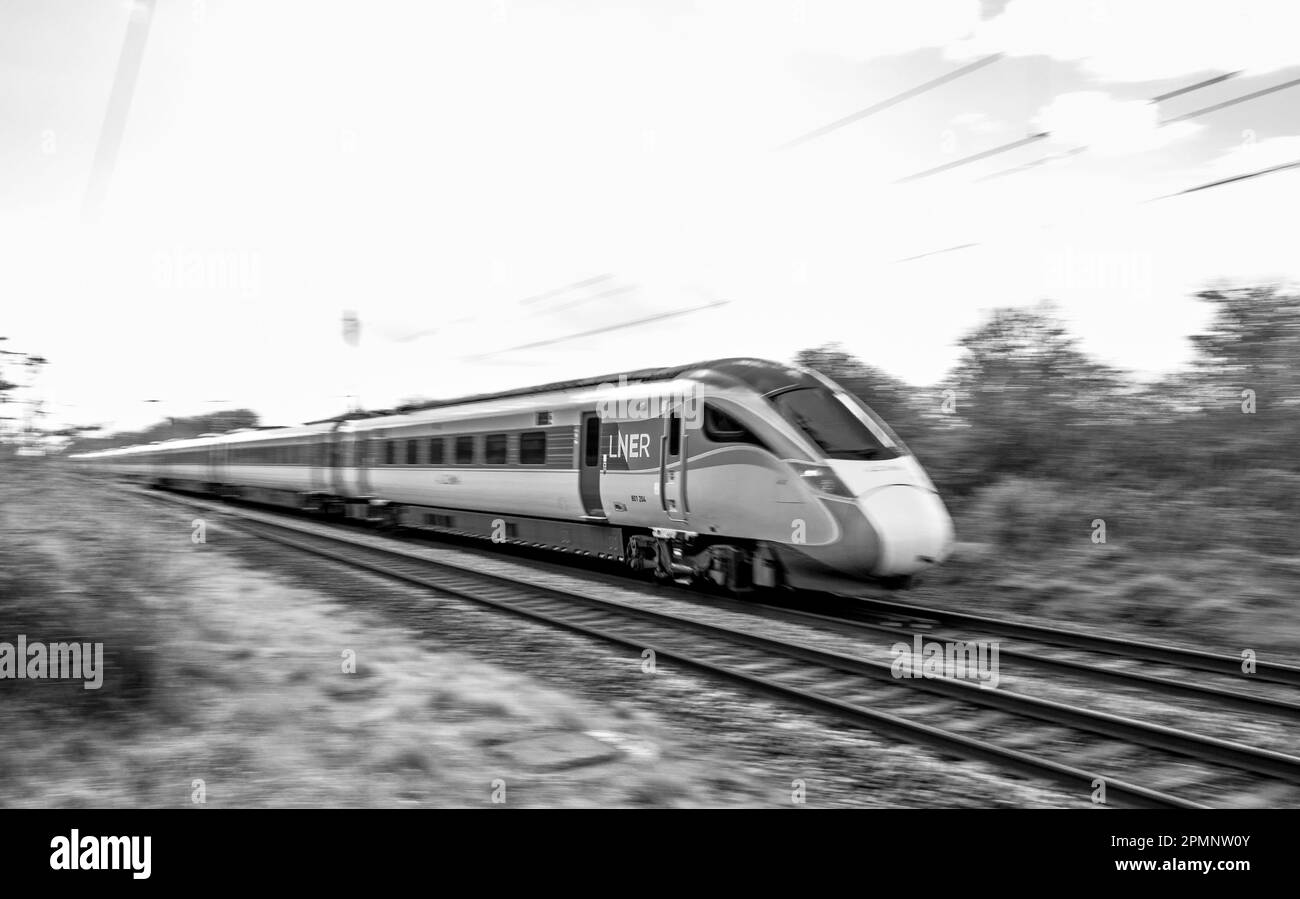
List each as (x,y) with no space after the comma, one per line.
(532,448)
(412,452)
(390,452)
(435,451)
(464,450)
(494,449)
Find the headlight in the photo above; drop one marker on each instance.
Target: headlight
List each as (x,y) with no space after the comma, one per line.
(822,479)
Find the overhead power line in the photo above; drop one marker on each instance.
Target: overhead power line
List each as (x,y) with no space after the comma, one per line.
(1294,164)
(1233,102)
(1042,160)
(1218,79)
(535,298)
(599,295)
(962,246)
(576,285)
(1231,180)
(675,313)
(1033,138)
(975,157)
(892,101)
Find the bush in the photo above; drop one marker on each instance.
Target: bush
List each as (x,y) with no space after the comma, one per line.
(1025,516)
(1028,517)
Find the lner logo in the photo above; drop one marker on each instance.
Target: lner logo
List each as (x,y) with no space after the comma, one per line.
(630,446)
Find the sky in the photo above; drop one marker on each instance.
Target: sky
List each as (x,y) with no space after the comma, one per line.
(509,193)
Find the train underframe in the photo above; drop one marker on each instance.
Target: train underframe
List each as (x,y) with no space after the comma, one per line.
(734,565)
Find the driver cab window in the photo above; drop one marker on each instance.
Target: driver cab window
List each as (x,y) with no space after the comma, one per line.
(721,427)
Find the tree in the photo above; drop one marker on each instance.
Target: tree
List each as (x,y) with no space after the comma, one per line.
(1025,388)
(1246,378)
(1253,342)
(180,428)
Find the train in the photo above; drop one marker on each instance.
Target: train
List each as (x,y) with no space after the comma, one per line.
(740,473)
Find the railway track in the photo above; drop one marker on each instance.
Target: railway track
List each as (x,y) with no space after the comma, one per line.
(1139,763)
(1183,659)
(1055,650)
(1215,678)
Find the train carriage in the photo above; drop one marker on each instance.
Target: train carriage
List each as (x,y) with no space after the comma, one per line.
(740,471)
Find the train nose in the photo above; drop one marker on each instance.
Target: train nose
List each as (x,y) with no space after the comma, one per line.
(913,526)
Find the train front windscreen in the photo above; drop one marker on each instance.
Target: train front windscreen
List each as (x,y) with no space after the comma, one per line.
(841,427)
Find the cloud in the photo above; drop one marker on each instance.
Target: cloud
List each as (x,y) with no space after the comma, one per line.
(1109,127)
(864,30)
(1146,40)
(847,28)
(979,123)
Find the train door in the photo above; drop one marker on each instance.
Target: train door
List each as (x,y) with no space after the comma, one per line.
(349,472)
(589,464)
(341,448)
(361,461)
(673,453)
(318,459)
(334,460)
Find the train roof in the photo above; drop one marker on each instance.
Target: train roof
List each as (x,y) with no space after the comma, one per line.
(762,375)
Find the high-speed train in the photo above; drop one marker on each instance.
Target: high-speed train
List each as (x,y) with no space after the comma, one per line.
(742,472)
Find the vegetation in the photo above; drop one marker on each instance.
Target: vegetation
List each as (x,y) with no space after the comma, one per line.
(1195,476)
(171,429)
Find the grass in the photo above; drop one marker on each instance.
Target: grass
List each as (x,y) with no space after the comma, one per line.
(224,679)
